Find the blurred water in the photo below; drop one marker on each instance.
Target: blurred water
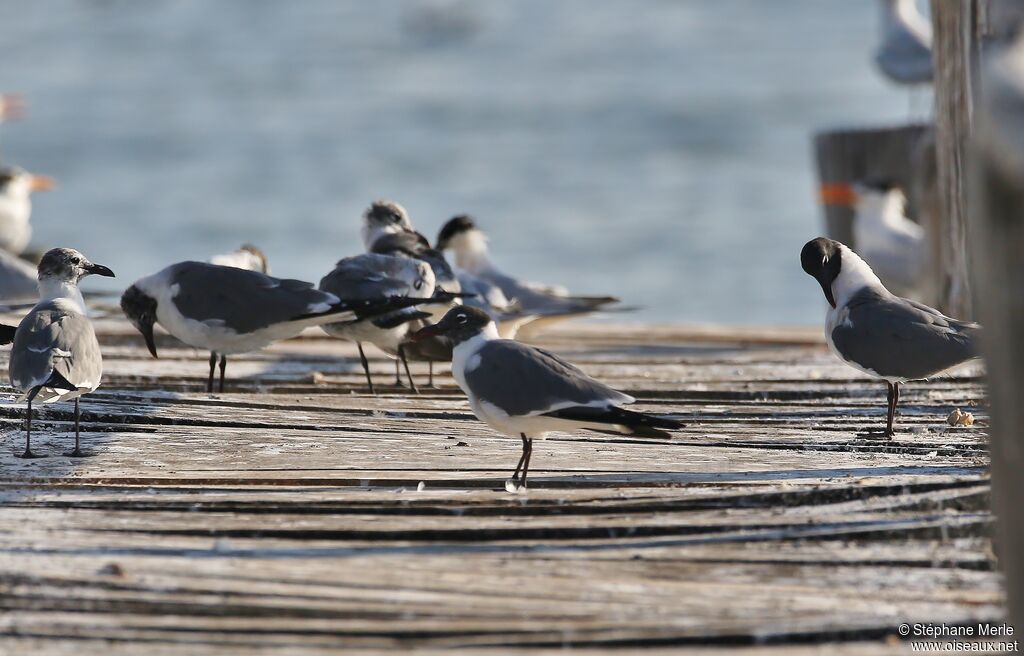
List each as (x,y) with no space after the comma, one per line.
(658,150)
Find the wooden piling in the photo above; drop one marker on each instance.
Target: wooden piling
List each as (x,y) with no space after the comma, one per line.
(998,252)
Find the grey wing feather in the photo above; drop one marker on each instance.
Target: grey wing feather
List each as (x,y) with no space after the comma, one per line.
(363,277)
(899,338)
(523,380)
(532,299)
(52,340)
(243,300)
(415,245)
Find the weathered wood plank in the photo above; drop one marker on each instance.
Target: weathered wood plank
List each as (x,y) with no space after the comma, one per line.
(287,514)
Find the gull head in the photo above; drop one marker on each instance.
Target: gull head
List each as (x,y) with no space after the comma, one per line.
(459,324)
(68,265)
(384,217)
(461,235)
(821,259)
(140,308)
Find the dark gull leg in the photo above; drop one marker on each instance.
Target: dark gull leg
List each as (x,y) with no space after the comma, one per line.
(526,463)
(223,366)
(213,364)
(430,373)
(28,427)
(408,374)
(77,453)
(515,474)
(366,367)
(891,410)
(398,375)
(895,401)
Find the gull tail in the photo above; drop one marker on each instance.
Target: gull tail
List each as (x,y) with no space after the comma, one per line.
(619,420)
(7,333)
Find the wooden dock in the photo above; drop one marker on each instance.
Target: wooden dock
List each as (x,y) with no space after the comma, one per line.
(297,514)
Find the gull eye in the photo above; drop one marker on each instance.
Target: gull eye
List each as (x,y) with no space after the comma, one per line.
(824,260)
(418,284)
(462,318)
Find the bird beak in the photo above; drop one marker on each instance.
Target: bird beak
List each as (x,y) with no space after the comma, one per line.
(99,270)
(838,193)
(826,287)
(146,328)
(426,332)
(41,183)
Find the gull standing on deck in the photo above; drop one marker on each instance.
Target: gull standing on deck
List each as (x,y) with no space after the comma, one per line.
(526,392)
(379,277)
(246,257)
(387,230)
(16,188)
(228,310)
(56,356)
(881,334)
(461,235)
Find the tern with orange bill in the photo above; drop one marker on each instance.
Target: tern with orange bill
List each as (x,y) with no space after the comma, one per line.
(16,189)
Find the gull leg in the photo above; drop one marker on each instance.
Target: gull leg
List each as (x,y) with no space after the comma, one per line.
(366,367)
(430,373)
(891,410)
(526,463)
(77,453)
(398,375)
(515,474)
(213,363)
(223,366)
(895,401)
(28,427)
(408,374)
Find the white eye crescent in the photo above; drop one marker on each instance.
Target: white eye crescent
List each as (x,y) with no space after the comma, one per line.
(824,260)
(463,318)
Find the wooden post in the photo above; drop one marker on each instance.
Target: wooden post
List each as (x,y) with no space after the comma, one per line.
(997,236)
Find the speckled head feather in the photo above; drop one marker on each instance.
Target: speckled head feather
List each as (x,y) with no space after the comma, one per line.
(68,264)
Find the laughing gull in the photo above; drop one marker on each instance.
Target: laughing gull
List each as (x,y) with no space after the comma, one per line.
(16,186)
(372,276)
(387,230)
(881,334)
(461,235)
(891,244)
(246,257)
(56,356)
(905,53)
(526,392)
(228,310)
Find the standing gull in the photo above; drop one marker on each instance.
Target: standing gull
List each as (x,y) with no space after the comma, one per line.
(461,235)
(379,277)
(527,392)
(56,356)
(881,334)
(16,187)
(228,310)
(387,230)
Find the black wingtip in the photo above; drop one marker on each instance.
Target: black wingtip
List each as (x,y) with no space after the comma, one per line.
(7,333)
